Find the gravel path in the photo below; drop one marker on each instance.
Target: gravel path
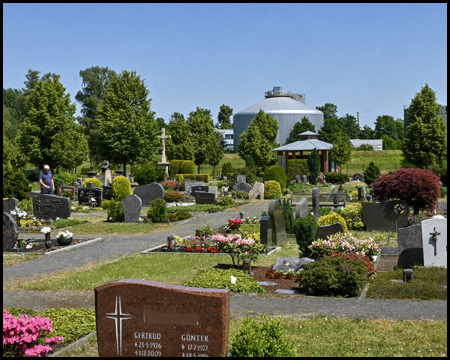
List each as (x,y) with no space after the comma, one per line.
(289,305)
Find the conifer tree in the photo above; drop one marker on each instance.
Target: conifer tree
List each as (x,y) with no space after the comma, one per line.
(314,166)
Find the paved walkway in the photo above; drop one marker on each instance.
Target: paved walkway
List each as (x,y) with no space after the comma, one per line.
(291,305)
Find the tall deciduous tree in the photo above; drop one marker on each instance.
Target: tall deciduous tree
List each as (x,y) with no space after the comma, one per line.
(386,125)
(224,117)
(349,126)
(215,153)
(366,133)
(329,128)
(95,81)
(426,140)
(179,146)
(50,129)
(201,126)
(329,111)
(341,151)
(259,140)
(299,127)
(127,127)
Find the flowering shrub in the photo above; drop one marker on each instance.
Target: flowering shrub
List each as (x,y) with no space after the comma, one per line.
(322,178)
(198,249)
(345,243)
(280,274)
(212,249)
(234,224)
(24,335)
(188,249)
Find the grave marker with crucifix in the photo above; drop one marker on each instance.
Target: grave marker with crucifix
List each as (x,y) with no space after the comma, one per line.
(434,240)
(164,164)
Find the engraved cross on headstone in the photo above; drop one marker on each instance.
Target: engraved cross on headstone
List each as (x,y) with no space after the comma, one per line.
(118,317)
(163,138)
(434,238)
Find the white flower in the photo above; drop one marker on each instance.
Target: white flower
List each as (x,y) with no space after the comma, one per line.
(45,230)
(64,235)
(19,212)
(29,246)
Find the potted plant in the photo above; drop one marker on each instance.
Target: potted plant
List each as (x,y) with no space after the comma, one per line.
(64,238)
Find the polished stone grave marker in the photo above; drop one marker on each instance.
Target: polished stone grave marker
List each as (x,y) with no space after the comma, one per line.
(279,234)
(257,192)
(10,204)
(410,246)
(149,193)
(315,197)
(265,230)
(434,240)
(242,186)
(49,207)
(61,189)
(383,217)
(189,184)
(291,263)
(148,318)
(10,232)
(107,192)
(326,230)
(132,205)
(202,197)
(201,188)
(90,192)
(241,178)
(301,208)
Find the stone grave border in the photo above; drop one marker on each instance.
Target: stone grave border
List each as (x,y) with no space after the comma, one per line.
(148,251)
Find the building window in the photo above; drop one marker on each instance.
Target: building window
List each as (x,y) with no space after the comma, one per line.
(229,136)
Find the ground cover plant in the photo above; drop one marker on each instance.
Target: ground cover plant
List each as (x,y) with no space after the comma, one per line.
(201,207)
(429,284)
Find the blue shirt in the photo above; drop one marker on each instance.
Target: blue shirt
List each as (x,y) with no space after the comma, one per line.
(46,178)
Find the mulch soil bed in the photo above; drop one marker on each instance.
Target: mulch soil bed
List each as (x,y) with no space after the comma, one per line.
(41,249)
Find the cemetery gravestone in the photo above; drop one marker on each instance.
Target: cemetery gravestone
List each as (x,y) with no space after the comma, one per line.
(358,177)
(291,263)
(301,208)
(382,217)
(241,178)
(361,192)
(189,184)
(90,192)
(107,192)
(257,192)
(148,318)
(315,202)
(201,188)
(10,232)
(90,185)
(298,179)
(77,185)
(326,230)
(434,240)
(61,189)
(279,234)
(213,190)
(10,204)
(148,193)
(132,205)
(204,197)
(242,186)
(265,229)
(410,246)
(335,199)
(49,207)
(305,179)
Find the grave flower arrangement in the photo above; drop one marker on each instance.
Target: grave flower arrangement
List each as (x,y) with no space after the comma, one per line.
(345,243)
(45,230)
(322,178)
(189,249)
(64,235)
(234,224)
(22,214)
(280,274)
(248,220)
(25,335)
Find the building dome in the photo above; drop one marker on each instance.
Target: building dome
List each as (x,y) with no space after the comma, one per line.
(286,108)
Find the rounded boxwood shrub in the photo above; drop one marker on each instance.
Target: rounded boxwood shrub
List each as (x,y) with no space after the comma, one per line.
(352,215)
(14,184)
(174,196)
(157,211)
(188,167)
(265,339)
(115,211)
(333,218)
(272,190)
(170,184)
(276,173)
(305,229)
(225,200)
(96,182)
(105,204)
(121,188)
(333,276)
(147,175)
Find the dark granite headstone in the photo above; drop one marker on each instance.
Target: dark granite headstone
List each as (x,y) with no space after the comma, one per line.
(107,191)
(189,184)
(382,217)
(242,186)
(301,208)
(410,246)
(291,263)
(85,193)
(305,179)
(10,204)
(315,197)
(49,207)
(298,179)
(204,197)
(335,198)
(10,232)
(132,205)
(241,178)
(149,193)
(61,189)
(201,188)
(90,185)
(265,229)
(77,185)
(361,192)
(148,318)
(326,230)
(279,234)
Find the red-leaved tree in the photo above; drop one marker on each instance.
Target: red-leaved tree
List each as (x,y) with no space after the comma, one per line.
(419,188)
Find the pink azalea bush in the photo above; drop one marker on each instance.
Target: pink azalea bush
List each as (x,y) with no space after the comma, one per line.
(24,335)
(345,243)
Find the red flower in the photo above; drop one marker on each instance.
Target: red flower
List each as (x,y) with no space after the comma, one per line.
(199,249)
(188,248)
(212,249)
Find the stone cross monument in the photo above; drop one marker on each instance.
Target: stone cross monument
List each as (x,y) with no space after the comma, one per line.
(164,164)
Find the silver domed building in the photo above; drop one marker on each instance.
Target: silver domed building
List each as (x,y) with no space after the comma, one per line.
(286,108)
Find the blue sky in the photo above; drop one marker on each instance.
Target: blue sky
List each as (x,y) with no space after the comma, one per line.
(366,58)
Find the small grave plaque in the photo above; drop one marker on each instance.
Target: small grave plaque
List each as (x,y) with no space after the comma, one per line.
(61,189)
(204,198)
(305,179)
(301,208)
(10,204)
(148,318)
(85,193)
(434,239)
(49,207)
(132,205)
(279,234)
(10,232)
(149,193)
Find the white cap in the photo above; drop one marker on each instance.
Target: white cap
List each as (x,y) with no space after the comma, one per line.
(46,167)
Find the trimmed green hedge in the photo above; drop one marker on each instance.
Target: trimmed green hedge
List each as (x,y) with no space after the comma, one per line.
(276,173)
(297,167)
(192,177)
(336,178)
(182,167)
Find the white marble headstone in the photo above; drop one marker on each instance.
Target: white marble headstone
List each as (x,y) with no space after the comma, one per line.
(434,240)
